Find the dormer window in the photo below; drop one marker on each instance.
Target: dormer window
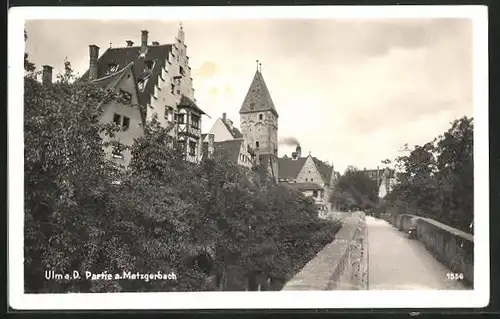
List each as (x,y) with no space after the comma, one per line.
(141,84)
(126,95)
(112,68)
(148,65)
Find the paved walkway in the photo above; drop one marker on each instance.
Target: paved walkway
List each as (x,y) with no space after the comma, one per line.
(398,263)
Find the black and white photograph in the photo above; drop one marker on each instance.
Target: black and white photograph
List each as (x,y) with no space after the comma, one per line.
(310,157)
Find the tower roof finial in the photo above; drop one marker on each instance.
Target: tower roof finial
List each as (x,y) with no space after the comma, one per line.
(180,24)
(260,67)
(257,64)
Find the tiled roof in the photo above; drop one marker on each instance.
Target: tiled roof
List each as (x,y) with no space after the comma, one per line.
(303,186)
(229,149)
(187,102)
(124,56)
(258,97)
(112,80)
(234,131)
(325,170)
(290,168)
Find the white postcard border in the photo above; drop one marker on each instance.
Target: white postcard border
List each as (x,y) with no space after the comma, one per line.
(478,297)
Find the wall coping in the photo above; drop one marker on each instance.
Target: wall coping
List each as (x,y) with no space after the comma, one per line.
(318,272)
(454,231)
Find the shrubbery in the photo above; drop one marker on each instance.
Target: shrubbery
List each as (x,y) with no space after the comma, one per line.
(163,210)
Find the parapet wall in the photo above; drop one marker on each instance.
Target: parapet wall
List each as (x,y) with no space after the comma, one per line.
(341,264)
(450,246)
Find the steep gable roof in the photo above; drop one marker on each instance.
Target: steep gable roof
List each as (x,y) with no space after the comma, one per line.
(290,168)
(122,57)
(235,133)
(258,98)
(325,170)
(230,149)
(187,102)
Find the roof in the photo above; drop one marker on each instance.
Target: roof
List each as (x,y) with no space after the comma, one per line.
(122,57)
(235,133)
(324,169)
(303,186)
(112,80)
(187,102)
(229,149)
(258,98)
(290,168)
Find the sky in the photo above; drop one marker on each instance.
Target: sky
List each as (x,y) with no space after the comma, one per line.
(352,92)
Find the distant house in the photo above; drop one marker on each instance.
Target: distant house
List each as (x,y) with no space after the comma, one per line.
(388,181)
(235,151)
(309,175)
(224,130)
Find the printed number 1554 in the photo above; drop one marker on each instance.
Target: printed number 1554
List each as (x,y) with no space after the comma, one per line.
(455,276)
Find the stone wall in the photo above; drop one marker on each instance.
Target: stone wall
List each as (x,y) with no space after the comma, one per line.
(450,246)
(341,265)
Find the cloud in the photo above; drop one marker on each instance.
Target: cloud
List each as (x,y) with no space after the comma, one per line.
(207,70)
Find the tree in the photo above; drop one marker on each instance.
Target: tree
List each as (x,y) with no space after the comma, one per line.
(436,179)
(355,189)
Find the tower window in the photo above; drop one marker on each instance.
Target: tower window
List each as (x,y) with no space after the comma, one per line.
(260,117)
(257,144)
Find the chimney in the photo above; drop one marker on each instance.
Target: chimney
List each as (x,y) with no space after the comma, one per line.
(156,43)
(130,43)
(211,138)
(224,117)
(294,155)
(47,75)
(299,151)
(93,56)
(144,41)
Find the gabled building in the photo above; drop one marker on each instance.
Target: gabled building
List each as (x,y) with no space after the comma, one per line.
(308,174)
(157,78)
(224,130)
(235,151)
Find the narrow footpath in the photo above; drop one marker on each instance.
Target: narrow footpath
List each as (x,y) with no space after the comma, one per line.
(398,263)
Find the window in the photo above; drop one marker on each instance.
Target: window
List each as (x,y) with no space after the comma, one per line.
(260,117)
(117,154)
(112,68)
(192,148)
(315,193)
(169,113)
(117,119)
(257,144)
(180,119)
(172,88)
(178,92)
(306,179)
(125,95)
(141,84)
(148,65)
(312,179)
(195,121)
(181,71)
(126,123)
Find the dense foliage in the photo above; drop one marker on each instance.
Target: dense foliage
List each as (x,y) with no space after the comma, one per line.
(354,190)
(436,180)
(84,213)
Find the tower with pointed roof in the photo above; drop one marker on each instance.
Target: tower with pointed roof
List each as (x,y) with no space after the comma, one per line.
(259,123)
